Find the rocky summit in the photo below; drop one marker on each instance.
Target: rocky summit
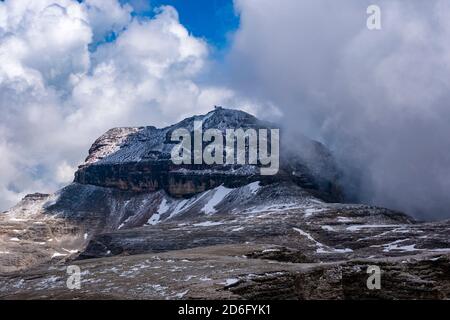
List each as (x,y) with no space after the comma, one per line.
(140,227)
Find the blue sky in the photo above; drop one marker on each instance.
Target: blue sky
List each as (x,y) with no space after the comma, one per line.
(212,20)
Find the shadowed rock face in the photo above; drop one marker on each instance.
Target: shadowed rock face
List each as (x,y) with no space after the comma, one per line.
(141,228)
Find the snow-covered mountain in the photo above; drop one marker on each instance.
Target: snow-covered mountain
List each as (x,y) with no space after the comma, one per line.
(138,159)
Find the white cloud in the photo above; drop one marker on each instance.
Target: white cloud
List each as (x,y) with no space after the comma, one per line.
(57,96)
(107,16)
(64,172)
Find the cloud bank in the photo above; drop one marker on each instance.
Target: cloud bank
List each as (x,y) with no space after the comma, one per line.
(380,99)
(69,71)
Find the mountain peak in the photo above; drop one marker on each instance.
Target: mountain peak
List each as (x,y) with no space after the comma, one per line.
(146,152)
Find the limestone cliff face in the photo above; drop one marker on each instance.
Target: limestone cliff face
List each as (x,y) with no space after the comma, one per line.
(138,160)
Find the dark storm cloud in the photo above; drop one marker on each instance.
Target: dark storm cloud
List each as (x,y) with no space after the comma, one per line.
(379,99)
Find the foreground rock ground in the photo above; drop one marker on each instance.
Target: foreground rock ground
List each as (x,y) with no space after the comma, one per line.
(140,229)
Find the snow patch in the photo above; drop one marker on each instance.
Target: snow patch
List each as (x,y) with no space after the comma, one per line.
(441,250)
(307,235)
(57,254)
(271,250)
(273,208)
(230,281)
(179,207)
(254,187)
(181,294)
(125,222)
(163,207)
(155,218)
(219,194)
(207,224)
(344,219)
(370,226)
(204,279)
(71,251)
(321,248)
(311,211)
(327,228)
